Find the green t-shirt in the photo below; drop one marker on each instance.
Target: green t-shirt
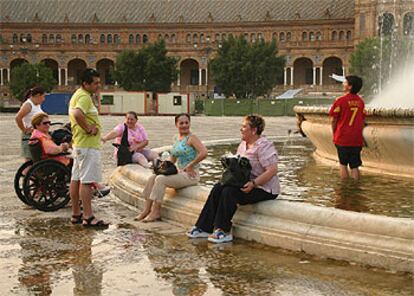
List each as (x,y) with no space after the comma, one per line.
(82,100)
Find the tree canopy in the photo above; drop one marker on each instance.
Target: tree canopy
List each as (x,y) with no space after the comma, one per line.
(26,76)
(148,69)
(378,61)
(247,70)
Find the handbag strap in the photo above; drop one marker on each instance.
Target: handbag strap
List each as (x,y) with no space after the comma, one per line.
(124,140)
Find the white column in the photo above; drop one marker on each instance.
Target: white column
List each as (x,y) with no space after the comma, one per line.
(59,76)
(206,75)
(320,75)
(1,76)
(66,76)
(343,71)
(314,76)
(8,75)
(199,76)
(291,75)
(285,76)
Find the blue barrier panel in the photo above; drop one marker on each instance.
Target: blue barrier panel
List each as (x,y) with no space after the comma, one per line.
(56,103)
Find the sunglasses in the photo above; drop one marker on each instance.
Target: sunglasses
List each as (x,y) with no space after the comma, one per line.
(46,122)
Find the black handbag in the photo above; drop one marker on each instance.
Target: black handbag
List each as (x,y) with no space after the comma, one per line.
(164,167)
(123,155)
(236,171)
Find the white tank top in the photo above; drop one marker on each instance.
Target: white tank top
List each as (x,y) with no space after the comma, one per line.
(27,120)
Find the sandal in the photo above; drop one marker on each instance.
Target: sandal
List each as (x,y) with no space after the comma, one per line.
(98,224)
(76,219)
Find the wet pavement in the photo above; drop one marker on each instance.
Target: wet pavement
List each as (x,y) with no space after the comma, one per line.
(43,254)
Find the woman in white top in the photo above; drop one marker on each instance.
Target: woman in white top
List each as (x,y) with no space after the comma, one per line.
(34,98)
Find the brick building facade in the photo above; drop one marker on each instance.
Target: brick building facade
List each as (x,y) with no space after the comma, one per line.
(316,36)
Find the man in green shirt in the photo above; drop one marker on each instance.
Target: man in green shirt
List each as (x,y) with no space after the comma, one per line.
(86,135)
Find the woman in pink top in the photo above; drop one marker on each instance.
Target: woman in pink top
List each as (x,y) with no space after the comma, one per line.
(214,221)
(137,138)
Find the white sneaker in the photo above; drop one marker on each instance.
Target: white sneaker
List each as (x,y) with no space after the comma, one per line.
(219,236)
(196,232)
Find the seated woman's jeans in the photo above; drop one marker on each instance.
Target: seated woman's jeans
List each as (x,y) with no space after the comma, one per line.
(221,205)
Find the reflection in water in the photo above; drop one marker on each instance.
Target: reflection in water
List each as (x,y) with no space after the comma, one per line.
(52,246)
(196,268)
(305,180)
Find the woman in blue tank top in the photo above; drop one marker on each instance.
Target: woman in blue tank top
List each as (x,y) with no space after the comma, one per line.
(187,152)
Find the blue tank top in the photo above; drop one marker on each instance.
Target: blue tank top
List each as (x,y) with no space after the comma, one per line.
(183,152)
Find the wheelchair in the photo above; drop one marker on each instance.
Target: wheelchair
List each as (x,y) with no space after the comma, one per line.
(43,183)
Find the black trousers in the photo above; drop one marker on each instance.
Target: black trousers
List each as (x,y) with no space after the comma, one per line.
(222,203)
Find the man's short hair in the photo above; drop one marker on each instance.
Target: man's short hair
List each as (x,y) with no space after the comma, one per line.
(355,82)
(88,75)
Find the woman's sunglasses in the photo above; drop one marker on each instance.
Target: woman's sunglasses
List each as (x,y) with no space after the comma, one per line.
(46,122)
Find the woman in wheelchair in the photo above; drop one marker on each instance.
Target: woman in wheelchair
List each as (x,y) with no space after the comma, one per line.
(50,150)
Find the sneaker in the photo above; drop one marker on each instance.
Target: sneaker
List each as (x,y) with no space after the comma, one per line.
(196,232)
(219,236)
(104,191)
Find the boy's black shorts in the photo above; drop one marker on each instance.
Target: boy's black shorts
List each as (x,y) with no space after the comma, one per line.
(349,156)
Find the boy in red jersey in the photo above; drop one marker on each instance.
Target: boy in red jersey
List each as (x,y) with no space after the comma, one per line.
(348,120)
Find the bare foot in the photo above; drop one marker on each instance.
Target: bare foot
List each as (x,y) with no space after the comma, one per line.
(141,216)
(151,219)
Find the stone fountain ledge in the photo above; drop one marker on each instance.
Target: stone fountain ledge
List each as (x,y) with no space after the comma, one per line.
(356,237)
(389,135)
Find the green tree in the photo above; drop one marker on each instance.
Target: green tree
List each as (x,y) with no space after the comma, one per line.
(247,70)
(377,61)
(148,69)
(27,75)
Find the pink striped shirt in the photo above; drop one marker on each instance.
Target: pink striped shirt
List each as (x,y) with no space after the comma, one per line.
(261,155)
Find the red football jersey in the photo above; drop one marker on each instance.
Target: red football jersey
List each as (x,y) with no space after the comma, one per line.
(350,113)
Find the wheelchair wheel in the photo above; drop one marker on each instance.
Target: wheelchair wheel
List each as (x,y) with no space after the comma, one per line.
(18,181)
(46,185)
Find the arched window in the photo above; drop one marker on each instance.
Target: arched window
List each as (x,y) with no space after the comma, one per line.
(304,36)
(58,38)
(217,37)
(195,38)
(386,24)
(230,35)
(87,39)
(282,37)
(73,39)
(288,36)
(188,39)
(173,38)
(408,24)
(109,38)
(138,39)
(223,36)
(312,36)
(51,38)
(22,38)
(319,36)
(246,37)
(348,35)
(80,38)
(117,40)
(102,39)
(145,38)
(131,39)
(253,37)
(167,38)
(274,36)
(341,35)
(334,35)
(159,36)
(29,38)
(202,39)
(44,38)
(260,36)
(15,38)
